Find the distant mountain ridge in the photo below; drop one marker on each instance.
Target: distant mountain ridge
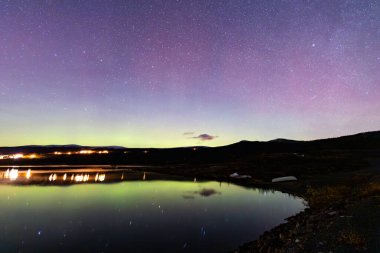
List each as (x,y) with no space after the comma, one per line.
(364,140)
(53,148)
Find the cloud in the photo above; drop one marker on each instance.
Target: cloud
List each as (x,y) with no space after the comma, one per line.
(205,137)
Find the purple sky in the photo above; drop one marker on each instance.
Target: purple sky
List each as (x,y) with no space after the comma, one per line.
(166,73)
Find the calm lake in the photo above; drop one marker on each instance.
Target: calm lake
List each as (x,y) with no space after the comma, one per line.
(137,216)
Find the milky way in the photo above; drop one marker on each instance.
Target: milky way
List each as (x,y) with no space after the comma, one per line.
(166,73)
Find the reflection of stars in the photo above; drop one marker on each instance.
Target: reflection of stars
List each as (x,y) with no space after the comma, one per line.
(203,232)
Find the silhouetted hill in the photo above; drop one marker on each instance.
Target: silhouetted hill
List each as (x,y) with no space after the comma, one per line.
(53,148)
(241,151)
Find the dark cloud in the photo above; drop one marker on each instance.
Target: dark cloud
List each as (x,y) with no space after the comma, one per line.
(203,193)
(207,192)
(205,137)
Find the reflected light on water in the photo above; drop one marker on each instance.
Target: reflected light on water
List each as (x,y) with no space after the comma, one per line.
(79,178)
(28,174)
(31,176)
(13,174)
(53,177)
(82,177)
(100,177)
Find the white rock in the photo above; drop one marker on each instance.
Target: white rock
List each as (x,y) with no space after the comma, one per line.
(236,175)
(284,179)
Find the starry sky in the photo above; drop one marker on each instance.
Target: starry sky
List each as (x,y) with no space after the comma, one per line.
(180,73)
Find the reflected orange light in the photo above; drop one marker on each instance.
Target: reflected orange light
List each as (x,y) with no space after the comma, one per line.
(79,178)
(53,177)
(28,174)
(100,177)
(13,174)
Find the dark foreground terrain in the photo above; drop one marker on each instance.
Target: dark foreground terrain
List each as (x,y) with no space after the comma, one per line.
(339,178)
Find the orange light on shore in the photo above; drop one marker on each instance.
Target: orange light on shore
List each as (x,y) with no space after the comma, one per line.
(86,152)
(17,156)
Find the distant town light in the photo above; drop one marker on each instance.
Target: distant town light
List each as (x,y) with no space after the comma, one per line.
(17,156)
(86,152)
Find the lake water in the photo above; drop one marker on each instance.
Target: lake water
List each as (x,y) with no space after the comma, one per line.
(137,216)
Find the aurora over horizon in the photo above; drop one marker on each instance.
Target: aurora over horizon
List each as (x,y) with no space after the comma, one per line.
(183,73)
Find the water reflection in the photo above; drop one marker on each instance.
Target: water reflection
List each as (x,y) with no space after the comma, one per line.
(70,176)
(134,216)
(11,174)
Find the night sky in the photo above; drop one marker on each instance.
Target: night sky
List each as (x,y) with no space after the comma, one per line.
(178,73)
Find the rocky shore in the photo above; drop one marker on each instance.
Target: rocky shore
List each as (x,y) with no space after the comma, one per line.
(348,224)
(297,235)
